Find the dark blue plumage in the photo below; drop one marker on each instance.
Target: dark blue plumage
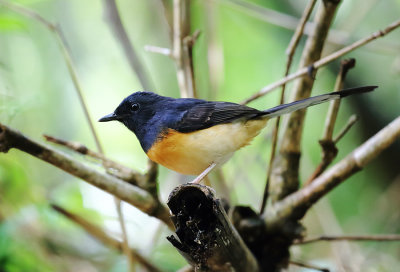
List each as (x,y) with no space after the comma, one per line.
(192,136)
(149,115)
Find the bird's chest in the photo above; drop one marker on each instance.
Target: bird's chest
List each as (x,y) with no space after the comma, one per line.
(191,153)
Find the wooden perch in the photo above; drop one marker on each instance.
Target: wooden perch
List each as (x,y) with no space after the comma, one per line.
(134,195)
(296,204)
(206,237)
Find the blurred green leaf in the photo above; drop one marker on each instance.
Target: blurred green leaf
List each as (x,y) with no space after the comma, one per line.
(12,23)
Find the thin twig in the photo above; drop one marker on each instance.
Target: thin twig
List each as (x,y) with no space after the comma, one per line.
(68,60)
(352,120)
(284,176)
(283,20)
(132,56)
(310,266)
(139,70)
(125,242)
(329,150)
(345,66)
(317,64)
(297,203)
(290,52)
(102,236)
(377,238)
(67,57)
(181,49)
(134,195)
(113,168)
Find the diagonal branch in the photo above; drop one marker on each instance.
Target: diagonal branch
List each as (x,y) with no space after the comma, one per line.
(134,195)
(103,237)
(113,168)
(324,61)
(284,177)
(376,238)
(290,52)
(329,150)
(132,56)
(67,57)
(296,204)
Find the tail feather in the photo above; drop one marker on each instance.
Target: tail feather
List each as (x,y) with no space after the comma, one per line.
(311,101)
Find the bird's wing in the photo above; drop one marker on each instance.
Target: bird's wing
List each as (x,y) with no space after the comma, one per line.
(208,114)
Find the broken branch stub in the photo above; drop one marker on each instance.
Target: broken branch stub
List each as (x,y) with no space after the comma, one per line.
(205,236)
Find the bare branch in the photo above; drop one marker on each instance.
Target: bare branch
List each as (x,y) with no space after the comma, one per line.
(317,64)
(67,57)
(333,110)
(102,236)
(376,238)
(125,242)
(329,150)
(290,52)
(284,176)
(207,238)
(182,48)
(299,31)
(297,203)
(132,56)
(283,20)
(352,120)
(118,170)
(134,195)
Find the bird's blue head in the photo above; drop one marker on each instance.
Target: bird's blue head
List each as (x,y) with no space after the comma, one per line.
(141,112)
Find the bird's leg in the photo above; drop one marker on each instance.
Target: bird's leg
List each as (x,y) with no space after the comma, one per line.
(203,174)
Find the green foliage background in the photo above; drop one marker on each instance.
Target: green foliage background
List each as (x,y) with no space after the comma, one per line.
(236,55)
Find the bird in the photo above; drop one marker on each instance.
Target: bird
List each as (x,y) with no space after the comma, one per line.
(193,136)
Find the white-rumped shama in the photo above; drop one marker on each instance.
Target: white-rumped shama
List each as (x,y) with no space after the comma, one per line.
(192,136)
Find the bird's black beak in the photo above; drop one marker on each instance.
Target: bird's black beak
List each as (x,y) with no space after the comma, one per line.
(109,117)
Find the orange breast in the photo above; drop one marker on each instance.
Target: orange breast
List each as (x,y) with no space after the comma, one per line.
(191,153)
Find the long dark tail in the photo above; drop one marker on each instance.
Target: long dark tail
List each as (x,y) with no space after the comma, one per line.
(311,101)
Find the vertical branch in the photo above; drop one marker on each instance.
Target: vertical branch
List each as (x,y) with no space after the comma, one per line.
(182,47)
(125,242)
(284,177)
(140,71)
(329,150)
(333,110)
(290,52)
(119,31)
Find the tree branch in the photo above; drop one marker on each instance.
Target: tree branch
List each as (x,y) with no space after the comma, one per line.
(67,58)
(324,61)
(376,238)
(134,195)
(113,168)
(329,150)
(284,177)
(207,239)
(182,48)
(102,236)
(290,53)
(115,22)
(296,204)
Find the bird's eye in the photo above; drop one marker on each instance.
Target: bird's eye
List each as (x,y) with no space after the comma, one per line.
(135,107)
